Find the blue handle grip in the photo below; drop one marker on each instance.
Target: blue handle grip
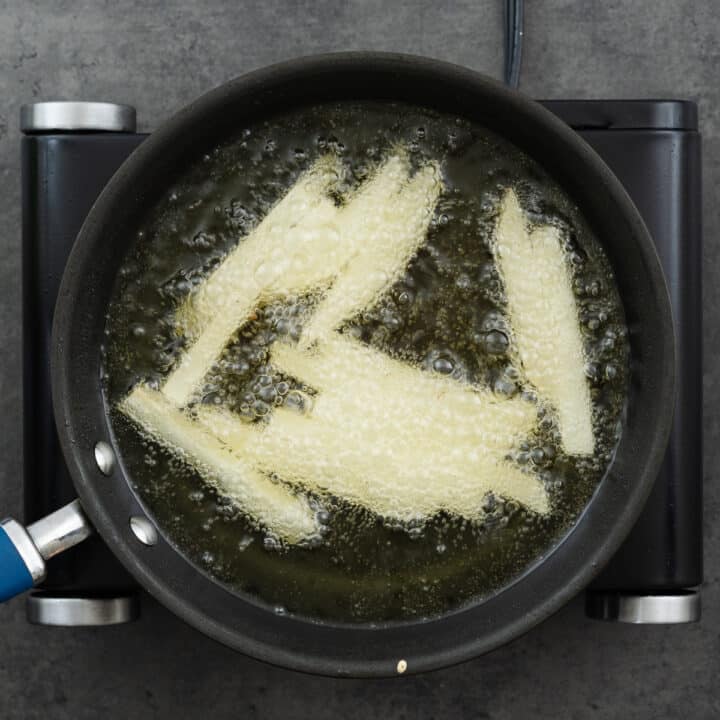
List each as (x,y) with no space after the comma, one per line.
(15,578)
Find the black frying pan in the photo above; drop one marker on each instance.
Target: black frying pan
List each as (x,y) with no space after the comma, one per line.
(82,413)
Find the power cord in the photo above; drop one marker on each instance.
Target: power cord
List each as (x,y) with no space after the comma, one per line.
(513,41)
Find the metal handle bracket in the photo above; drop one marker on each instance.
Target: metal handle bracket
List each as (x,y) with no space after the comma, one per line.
(23,551)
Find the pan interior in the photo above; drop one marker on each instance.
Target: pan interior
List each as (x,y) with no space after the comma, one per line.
(445,314)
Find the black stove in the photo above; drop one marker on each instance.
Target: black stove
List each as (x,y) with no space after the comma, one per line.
(654,149)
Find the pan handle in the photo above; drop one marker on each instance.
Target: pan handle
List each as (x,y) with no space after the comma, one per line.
(24,550)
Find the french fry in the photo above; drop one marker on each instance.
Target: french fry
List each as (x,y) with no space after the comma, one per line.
(287,516)
(544,320)
(295,248)
(346,372)
(385,225)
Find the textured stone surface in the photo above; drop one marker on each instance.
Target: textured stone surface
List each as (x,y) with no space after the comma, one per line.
(158,57)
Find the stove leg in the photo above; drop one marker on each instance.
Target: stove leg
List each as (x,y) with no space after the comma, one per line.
(663,608)
(48,608)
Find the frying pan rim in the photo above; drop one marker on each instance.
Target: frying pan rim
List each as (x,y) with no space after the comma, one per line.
(78,454)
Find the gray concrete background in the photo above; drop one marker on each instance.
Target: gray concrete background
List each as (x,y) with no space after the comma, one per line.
(157,57)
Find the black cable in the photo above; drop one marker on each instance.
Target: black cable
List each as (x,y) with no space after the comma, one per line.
(513,41)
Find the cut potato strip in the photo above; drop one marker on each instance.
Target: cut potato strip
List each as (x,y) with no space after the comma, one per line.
(295,248)
(291,246)
(385,227)
(544,320)
(348,373)
(388,436)
(287,516)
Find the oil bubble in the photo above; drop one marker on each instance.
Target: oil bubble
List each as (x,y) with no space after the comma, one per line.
(443,366)
(268,394)
(245,542)
(504,386)
(496,342)
(489,503)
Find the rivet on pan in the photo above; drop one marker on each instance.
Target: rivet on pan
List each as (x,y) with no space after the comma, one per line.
(401,666)
(104,457)
(143,530)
